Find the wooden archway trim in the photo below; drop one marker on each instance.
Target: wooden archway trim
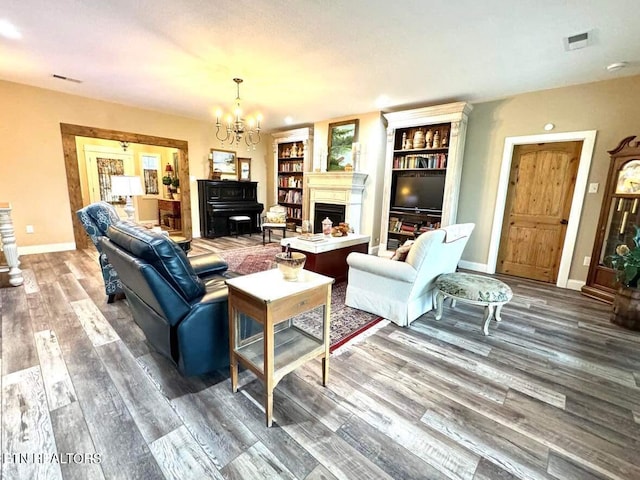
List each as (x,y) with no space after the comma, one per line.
(70,132)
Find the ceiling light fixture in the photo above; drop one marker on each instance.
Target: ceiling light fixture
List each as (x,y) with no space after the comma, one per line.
(236,126)
(549,126)
(614,67)
(9,30)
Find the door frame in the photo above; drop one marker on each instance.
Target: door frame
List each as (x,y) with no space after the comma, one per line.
(588,138)
(69,133)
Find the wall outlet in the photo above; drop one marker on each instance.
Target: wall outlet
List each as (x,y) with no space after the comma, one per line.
(29,228)
(593,187)
(587,261)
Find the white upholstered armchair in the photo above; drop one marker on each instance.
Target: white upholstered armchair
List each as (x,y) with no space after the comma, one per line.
(402,291)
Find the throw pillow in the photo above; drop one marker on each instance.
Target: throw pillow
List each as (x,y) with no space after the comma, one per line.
(276,217)
(402,251)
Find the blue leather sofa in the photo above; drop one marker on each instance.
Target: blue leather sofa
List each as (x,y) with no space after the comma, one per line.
(180,303)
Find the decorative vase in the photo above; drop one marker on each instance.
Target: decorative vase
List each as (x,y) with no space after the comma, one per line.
(326,226)
(436,139)
(418,139)
(626,308)
(428,138)
(294,150)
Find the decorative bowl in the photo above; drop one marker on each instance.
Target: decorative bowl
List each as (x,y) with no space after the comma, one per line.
(290,266)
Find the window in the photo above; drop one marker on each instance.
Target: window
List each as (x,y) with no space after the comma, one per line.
(106,168)
(150,165)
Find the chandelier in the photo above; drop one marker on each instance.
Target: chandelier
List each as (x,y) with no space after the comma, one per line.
(237,128)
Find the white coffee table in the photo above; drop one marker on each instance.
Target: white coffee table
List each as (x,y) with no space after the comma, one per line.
(329,256)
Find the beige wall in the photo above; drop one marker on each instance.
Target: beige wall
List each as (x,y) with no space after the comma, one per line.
(32,173)
(609,107)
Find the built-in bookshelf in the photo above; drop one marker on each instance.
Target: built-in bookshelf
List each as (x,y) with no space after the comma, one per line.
(292,158)
(422,172)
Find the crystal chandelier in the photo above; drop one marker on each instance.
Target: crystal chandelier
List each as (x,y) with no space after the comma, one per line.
(236,127)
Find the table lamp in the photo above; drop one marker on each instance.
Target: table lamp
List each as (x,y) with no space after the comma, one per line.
(127,186)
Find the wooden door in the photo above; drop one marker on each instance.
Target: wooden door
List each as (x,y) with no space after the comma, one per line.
(541,185)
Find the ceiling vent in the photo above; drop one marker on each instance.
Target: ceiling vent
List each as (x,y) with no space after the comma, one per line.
(68,79)
(576,42)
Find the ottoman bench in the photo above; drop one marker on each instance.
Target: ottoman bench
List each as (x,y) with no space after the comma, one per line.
(473,289)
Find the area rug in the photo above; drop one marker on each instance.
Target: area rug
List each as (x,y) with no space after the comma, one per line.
(346,323)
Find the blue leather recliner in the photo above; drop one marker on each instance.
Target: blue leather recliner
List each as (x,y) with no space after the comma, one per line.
(180,303)
(96,219)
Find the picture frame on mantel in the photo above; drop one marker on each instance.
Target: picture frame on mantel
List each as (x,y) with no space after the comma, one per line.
(224,162)
(244,169)
(341,137)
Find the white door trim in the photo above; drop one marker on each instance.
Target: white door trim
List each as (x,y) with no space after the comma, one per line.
(588,137)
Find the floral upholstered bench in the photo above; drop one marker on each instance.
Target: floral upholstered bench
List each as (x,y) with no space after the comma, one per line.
(473,289)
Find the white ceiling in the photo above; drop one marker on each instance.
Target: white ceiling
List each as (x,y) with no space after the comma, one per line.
(312,59)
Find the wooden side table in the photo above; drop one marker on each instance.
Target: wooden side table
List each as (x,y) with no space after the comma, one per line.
(170,208)
(280,347)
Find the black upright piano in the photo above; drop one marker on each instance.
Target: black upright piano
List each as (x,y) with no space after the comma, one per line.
(221,199)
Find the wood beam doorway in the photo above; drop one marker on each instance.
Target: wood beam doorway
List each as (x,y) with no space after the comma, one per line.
(70,132)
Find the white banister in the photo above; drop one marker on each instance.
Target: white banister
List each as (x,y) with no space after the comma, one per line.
(9,247)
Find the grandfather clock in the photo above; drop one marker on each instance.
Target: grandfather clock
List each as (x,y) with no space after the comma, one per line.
(619,214)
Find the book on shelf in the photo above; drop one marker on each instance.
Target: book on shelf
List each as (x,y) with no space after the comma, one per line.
(433,160)
(408,227)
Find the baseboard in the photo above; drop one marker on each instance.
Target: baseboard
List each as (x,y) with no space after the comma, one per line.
(52,247)
(476,267)
(575,284)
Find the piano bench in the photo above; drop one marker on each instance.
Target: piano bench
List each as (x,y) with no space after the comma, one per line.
(235,222)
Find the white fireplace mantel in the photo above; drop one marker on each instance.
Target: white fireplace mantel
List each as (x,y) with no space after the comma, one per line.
(337,188)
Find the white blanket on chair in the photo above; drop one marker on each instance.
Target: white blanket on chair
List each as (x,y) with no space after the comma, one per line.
(455,232)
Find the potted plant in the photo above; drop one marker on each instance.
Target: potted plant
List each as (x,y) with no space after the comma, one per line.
(167,180)
(176,183)
(626,303)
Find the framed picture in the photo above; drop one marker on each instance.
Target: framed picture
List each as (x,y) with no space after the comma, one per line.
(175,162)
(224,161)
(342,136)
(244,166)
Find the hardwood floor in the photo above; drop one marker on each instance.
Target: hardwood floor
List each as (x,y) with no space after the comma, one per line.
(552,393)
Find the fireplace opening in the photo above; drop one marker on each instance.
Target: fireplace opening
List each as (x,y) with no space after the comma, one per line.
(336,214)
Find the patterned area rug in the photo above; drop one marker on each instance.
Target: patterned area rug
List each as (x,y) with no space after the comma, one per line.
(346,322)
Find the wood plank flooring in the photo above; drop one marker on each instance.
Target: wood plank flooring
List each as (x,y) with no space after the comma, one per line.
(552,393)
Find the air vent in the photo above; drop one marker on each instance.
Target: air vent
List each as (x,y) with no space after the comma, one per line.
(575,42)
(68,79)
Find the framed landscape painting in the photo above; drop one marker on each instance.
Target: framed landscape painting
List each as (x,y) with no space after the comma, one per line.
(224,161)
(342,136)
